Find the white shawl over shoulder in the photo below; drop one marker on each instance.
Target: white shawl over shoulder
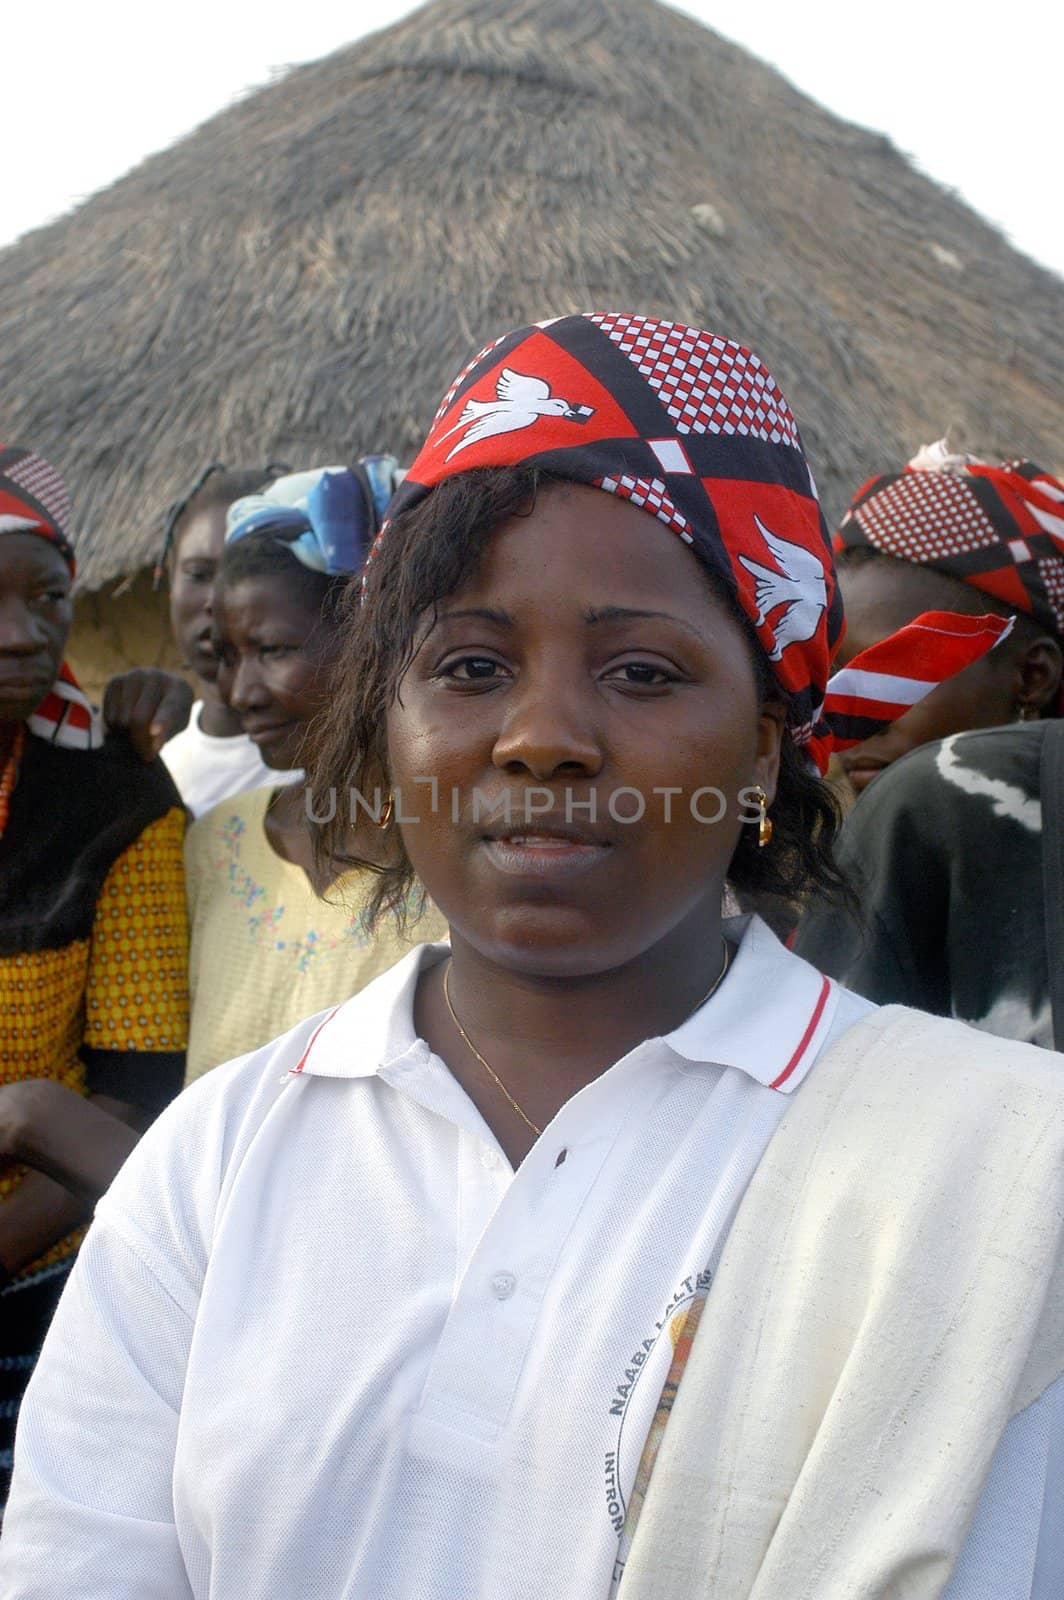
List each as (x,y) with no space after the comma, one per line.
(890,1295)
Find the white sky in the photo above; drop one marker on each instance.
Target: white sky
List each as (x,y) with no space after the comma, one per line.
(972,94)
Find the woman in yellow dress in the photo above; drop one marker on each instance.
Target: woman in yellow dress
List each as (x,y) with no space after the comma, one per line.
(272,940)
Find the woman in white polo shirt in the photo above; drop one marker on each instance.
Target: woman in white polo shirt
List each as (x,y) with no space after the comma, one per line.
(398,1306)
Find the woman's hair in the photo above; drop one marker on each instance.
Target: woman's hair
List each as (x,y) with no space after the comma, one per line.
(427,554)
(218,486)
(268,555)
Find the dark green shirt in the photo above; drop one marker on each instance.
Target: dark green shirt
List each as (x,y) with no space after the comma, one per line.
(945,853)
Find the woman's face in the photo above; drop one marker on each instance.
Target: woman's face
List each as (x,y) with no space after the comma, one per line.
(880,597)
(35,617)
(585,676)
(196,556)
(274,653)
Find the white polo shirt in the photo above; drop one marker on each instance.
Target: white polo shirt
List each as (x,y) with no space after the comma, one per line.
(323,1343)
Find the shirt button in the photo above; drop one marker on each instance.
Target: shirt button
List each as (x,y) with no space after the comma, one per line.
(489,1159)
(503,1285)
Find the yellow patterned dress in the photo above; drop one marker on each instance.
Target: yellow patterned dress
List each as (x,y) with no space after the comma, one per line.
(265,949)
(93,972)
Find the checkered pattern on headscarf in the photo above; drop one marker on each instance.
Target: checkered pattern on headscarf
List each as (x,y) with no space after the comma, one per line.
(34,498)
(998,528)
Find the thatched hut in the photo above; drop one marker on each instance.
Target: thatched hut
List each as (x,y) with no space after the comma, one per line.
(299,277)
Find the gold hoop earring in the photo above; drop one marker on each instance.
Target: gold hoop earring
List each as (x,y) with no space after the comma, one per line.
(765,827)
(387,812)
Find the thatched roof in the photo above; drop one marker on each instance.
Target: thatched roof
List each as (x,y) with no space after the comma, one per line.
(301,276)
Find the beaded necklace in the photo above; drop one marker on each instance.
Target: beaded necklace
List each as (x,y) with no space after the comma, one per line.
(9,776)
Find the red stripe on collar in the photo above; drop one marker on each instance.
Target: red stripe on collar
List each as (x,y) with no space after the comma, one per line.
(818,1011)
(301,1063)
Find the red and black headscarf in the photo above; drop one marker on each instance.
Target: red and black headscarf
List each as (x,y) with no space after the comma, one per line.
(34,499)
(1000,529)
(695,431)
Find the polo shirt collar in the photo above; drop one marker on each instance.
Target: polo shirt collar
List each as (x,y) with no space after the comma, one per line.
(375,1028)
(773,1044)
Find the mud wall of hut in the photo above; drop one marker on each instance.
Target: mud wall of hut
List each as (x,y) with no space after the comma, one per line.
(120,626)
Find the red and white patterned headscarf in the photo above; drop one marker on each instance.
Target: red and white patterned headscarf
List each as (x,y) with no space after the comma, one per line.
(695,431)
(1000,529)
(34,499)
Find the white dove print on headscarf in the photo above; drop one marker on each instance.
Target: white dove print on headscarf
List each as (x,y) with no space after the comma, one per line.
(798,584)
(521,401)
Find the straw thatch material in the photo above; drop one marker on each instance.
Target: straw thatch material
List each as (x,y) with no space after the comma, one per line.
(300,277)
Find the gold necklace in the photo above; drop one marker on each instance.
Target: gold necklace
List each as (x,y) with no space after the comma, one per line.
(494,1076)
(488,1068)
(717,981)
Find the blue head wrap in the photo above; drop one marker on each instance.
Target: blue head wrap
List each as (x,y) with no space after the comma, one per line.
(327,517)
